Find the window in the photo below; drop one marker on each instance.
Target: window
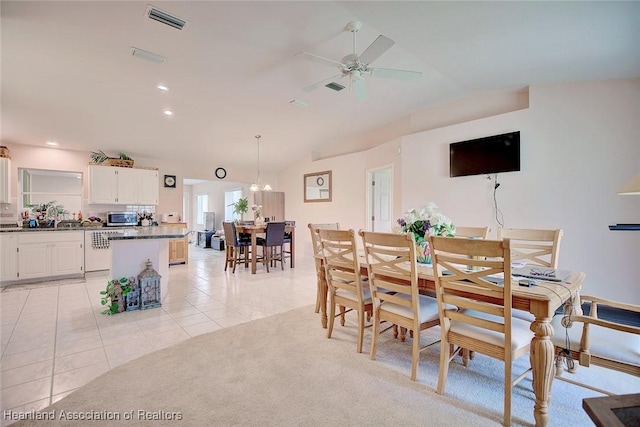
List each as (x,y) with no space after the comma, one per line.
(43,187)
(230,197)
(202,206)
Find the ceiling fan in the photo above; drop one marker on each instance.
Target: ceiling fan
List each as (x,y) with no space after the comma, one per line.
(357,66)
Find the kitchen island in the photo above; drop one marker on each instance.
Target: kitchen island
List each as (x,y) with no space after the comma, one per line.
(130,249)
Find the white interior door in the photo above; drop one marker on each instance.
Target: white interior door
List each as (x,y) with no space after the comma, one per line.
(381,199)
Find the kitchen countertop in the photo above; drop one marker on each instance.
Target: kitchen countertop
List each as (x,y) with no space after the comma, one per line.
(173,231)
(149,233)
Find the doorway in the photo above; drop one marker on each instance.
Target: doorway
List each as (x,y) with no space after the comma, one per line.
(380,199)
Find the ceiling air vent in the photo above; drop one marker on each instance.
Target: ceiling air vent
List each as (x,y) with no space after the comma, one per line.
(149,56)
(335,86)
(165,18)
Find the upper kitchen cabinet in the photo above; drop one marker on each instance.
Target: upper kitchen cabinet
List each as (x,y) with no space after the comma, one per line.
(147,187)
(5,179)
(123,186)
(272,204)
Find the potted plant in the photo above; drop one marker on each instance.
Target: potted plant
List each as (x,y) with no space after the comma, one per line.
(241,206)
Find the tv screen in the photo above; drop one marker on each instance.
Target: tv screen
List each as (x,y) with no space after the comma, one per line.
(492,154)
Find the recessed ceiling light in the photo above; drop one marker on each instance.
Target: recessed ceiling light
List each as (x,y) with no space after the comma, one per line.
(168,113)
(163,88)
(52,143)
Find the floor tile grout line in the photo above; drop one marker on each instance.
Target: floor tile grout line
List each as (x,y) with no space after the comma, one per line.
(15,324)
(55,343)
(95,319)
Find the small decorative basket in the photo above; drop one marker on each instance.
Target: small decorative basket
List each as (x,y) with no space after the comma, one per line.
(119,162)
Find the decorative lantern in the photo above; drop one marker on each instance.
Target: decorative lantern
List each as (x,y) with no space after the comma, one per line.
(149,282)
(132,298)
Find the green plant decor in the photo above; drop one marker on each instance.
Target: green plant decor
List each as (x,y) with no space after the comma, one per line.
(114,295)
(43,208)
(241,206)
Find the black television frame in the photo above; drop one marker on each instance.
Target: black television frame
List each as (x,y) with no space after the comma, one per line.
(484,156)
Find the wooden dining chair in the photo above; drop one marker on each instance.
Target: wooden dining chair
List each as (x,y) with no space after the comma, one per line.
(533,246)
(482,321)
(236,250)
(393,280)
(272,245)
(317,254)
(591,340)
(473,232)
(342,272)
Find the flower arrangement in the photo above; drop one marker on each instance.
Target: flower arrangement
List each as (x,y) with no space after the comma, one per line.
(257,210)
(425,220)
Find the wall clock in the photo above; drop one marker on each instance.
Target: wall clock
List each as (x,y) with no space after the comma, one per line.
(170,181)
(221,173)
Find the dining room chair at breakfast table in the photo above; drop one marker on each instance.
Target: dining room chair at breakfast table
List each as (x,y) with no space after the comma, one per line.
(393,279)
(236,249)
(482,321)
(272,246)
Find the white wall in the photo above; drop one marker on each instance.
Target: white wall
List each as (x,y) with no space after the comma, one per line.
(580,143)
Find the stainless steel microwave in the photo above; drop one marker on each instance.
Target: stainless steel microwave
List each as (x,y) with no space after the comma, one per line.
(122,219)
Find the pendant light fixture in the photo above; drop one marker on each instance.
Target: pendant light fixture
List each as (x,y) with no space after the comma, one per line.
(256,186)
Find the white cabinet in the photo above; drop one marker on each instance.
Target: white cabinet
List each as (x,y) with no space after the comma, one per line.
(8,256)
(5,180)
(50,253)
(147,187)
(103,185)
(122,186)
(127,186)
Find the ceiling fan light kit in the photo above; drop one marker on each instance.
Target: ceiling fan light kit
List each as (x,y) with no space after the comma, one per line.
(357,66)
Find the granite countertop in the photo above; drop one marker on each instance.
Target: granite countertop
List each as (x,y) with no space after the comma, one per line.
(149,233)
(153,232)
(29,229)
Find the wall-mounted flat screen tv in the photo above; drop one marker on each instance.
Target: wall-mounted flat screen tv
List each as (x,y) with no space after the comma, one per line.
(491,154)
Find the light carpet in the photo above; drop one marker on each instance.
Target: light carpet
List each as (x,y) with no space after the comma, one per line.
(283,371)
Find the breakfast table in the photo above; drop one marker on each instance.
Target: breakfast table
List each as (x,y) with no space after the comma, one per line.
(541,300)
(255,229)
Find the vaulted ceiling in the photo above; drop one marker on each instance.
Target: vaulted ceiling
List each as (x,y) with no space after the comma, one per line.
(68,73)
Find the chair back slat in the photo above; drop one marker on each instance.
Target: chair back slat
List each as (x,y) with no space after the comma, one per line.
(533,246)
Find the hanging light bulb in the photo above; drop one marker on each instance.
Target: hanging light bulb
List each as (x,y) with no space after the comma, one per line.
(256,185)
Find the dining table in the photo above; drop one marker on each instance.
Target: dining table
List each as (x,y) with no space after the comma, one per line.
(541,301)
(255,229)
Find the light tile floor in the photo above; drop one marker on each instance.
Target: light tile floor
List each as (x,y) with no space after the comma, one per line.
(54,338)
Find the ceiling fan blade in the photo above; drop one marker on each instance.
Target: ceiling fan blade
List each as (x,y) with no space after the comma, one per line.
(319,59)
(360,88)
(375,49)
(322,83)
(387,73)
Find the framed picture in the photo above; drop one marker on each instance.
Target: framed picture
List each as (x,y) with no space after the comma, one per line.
(170,181)
(317,187)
